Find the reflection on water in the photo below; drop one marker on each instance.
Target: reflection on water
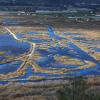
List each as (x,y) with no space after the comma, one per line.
(11,46)
(9,67)
(10,23)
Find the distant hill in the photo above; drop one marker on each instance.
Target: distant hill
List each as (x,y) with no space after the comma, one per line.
(46,2)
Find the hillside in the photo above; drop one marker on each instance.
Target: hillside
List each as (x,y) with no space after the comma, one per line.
(46,2)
